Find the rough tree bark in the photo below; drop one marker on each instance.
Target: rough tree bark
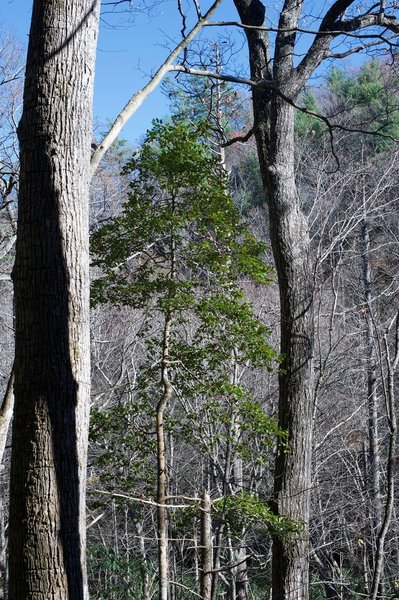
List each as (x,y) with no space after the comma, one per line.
(51,278)
(274,130)
(290,242)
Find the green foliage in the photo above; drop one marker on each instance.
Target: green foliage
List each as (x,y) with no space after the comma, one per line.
(252,511)
(179,211)
(179,248)
(200,99)
(177,193)
(364,87)
(340,84)
(306,124)
(180,252)
(371,96)
(116,576)
(226,111)
(247,182)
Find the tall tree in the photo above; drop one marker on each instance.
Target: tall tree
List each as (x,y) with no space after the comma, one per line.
(51,278)
(178,251)
(277,81)
(52,371)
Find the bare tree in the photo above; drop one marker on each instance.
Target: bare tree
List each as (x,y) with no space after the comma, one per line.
(47,552)
(351,213)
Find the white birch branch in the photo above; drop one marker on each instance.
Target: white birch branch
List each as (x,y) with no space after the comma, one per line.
(138,98)
(6,412)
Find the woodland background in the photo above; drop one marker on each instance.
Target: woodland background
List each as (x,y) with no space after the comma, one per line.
(347,175)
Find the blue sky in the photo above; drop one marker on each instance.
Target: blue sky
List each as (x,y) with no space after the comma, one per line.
(129,50)
(132,47)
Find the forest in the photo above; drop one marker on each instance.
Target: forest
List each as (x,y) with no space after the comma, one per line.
(200,332)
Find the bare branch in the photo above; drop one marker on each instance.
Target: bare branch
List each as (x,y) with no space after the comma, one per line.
(184,587)
(94,521)
(6,412)
(241,139)
(143,500)
(138,98)
(183,26)
(332,26)
(288,29)
(357,49)
(391,365)
(220,76)
(197,8)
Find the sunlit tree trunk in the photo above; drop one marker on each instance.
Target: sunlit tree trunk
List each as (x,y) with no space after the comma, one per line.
(162,475)
(163,545)
(51,277)
(206,548)
(6,412)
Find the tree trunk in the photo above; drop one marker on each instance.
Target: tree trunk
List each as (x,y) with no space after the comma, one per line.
(163,545)
(206,548)
(6,412)
(239,573)
(372,399)
(392,363)
(274,131)
(162,475)
(51,277)
(290,242)
(145,579)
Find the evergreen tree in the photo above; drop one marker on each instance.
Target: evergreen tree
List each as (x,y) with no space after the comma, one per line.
(370,99)
(179,252)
